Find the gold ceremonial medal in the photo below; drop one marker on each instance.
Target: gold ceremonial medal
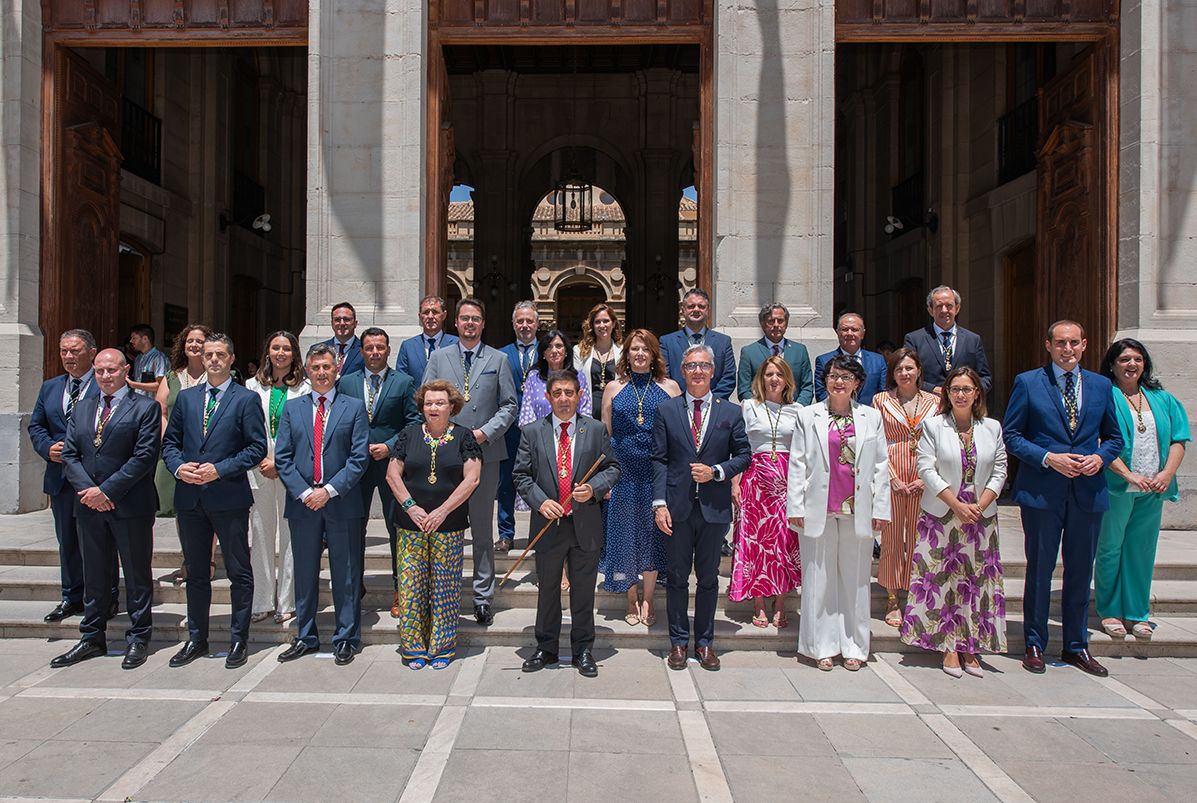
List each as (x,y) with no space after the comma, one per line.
(432,479)
(639,420)
(562,473)
(466,395)
(98,440)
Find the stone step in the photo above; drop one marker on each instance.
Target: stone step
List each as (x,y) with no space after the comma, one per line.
(41,583)
(1174,636)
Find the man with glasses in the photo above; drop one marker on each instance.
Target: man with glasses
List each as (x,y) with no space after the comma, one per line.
(415,351)
(850,330)
(699,445)
(521,355)
(344,341)
(696,309)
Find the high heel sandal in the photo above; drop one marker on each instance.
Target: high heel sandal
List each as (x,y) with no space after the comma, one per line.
(893,616)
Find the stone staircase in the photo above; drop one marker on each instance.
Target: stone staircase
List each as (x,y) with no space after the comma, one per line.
(29,588)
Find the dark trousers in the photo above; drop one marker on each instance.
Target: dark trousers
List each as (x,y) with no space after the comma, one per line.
(562,549)
(232,531)
(1072,533)
(506,495)
(309,531)
(375,482)
(694,544)
(103,536)
(70,550)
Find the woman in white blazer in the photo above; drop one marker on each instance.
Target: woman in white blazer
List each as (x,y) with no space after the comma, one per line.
(597,353)
(279,379)
(957,605)
(838,498)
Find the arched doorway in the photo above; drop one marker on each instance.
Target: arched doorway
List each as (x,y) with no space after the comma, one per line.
(574,301)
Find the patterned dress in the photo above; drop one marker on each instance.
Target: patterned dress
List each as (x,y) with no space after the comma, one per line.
(957,601)
(766,561)
(902,433)
(633,544)
(535,406)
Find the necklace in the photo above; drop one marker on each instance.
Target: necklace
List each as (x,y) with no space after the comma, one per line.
(465,391)
(912,421)
(433,445)
(841,423)
(602,367)
(640,397)
(1138,408)
(773,425)
(970,449)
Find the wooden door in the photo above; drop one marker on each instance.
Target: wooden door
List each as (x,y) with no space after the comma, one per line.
(441,158)
(81,207)
(1076,214)
(1023,345)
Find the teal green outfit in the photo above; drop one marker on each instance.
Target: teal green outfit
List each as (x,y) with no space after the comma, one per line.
(1130,529)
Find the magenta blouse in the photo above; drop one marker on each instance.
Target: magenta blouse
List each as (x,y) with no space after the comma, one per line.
(841,484)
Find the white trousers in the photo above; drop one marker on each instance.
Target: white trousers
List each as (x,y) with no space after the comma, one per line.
(835,592)
(268,530)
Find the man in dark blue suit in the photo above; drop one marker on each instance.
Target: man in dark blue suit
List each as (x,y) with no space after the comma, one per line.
(944,344)
(1061,425)
(414,352)
(47,428)
(521,356)
(850,330)
(389,396)
(321,453)
(344,342)
(109,455)
(775,320)
(696,308)
(216,434)
(699,445)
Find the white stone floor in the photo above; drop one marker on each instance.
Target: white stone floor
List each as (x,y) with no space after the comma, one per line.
(764,728)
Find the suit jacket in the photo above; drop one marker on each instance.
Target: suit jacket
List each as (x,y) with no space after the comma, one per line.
(940,466)
(723,383)
(492,407)
(353,354)
(966,350)
(810,469)
(1036,424)
(796,356)
(236,442)
(48,425)
(725,445)
(535,473)
(123,465)
(875,372)
(346,451)
(394,408)
(583,365)
(413,354)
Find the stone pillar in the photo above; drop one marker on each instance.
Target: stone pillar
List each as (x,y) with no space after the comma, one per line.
(365,162)
(20,197)
(774,158)
(1157,186)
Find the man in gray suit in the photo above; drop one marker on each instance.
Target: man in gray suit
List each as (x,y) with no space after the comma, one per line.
(484,377)
(554,453)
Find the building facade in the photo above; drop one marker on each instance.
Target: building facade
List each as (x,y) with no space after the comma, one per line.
(1038,156)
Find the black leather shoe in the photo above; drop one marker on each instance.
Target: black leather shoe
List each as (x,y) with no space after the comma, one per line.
(237,655)
(80,652)
(343,653)
(584,663)
(296,650)
(725,549)
(191,650)
(62,611)
(1085,662)
(135,655)
(539,660)
(483,615)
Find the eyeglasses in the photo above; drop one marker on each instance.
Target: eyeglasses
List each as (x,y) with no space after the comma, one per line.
(962,391)
(692,367)
(470,318)
(841,378)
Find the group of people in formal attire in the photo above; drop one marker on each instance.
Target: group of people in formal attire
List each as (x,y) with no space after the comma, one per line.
(636,465)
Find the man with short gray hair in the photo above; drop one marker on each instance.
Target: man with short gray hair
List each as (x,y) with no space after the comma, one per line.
(943,344)
(775,320)
(521,356)
(415,351)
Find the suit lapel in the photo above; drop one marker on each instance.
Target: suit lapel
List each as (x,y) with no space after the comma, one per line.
(1057,397)
(225,400)
(822,419)
(334,415)
(308,422)
(117,415)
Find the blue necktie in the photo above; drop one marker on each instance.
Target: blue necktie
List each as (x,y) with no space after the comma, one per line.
(431,346)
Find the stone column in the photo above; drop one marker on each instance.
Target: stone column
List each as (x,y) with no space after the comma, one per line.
(774,156)
(20,236)
(1157,205)
(365,162)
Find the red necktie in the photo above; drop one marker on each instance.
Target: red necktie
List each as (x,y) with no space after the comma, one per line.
(696,425)
(564,470)
(318,442)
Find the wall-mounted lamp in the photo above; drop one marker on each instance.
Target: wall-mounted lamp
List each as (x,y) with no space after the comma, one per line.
(260,223)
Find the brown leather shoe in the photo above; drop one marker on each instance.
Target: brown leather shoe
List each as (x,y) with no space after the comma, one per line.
(707,658)
(395,607)
(1033,661)
(677,656)
(1085,662)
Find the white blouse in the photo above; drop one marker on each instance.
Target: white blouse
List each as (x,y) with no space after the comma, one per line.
(760,419)
(1145,449)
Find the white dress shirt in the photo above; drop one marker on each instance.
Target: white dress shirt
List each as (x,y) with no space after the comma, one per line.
(84,382)
(572,431)
(328,395)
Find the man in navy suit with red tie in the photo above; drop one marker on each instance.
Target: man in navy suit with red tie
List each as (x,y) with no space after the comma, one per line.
(1061,425)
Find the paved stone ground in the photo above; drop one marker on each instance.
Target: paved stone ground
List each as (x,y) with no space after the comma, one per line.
(764,728)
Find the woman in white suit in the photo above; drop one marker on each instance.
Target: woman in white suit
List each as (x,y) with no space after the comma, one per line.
(838,498)
(957,605)
(279,379)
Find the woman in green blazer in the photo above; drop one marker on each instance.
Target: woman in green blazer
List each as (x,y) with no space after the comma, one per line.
(1155,429)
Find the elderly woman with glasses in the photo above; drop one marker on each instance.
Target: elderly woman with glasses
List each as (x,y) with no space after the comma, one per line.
(838,498)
